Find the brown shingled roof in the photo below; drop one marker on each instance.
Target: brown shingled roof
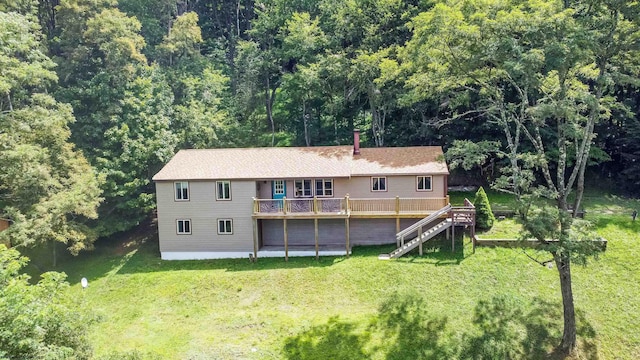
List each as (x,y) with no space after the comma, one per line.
(414,160)
(258,163)
(299,162)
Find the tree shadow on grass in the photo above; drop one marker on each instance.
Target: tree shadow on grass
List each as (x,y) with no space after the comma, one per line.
(438,252)
(409,332)
(403,328)
(137,251)
(334,340)
(506,330)
(621,221)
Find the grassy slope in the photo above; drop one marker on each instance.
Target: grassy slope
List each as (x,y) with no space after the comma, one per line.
(340,308)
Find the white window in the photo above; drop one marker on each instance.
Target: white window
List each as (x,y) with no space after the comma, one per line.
(303,188)
(223,190)
(378,183)
(324,187)
(183,226)
(225,226)
(182,190)
(278,187)
(424,183)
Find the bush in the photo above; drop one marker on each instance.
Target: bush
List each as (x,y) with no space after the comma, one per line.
(484,215)
(38,321)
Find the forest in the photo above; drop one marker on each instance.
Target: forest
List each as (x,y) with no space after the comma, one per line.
(534,97)
(96,95)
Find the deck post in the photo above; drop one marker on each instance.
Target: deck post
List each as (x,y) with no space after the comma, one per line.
(284,204)
(315,225)
(286,241)
(453,234)
(255,239)
(346,204)
(397,231)
(448,232)
(420,240)
(397,205)
(255,206)
(346,229)
(315,204)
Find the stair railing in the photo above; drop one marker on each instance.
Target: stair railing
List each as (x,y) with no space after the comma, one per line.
(418,225)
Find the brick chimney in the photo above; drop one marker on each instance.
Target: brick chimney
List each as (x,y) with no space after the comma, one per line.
(356,142)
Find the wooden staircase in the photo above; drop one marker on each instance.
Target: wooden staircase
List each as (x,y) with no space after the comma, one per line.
(434,230)
(455,216)
(429,234)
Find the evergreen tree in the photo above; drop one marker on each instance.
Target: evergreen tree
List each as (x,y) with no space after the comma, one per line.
(484,215)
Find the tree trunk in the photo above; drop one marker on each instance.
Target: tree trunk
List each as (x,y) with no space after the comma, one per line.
(305,122)
(55,255)
(563,262)
(269,97)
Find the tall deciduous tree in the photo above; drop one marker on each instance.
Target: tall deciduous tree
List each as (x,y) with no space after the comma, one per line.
(539,71)
(198,88)
(47,187)
(123,107)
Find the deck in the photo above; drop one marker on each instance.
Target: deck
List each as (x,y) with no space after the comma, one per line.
(344,208)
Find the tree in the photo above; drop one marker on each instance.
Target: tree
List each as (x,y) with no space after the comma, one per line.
(302,39)
(484,215)
(539,71)
(123,108)
(39,321)
(183,39)
(366,78)
(47,187)
(198,88)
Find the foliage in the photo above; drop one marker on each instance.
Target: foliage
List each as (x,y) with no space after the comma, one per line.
(39,321)
(123,109)
(538,70)
(484,215)
(46,187)
(183,38)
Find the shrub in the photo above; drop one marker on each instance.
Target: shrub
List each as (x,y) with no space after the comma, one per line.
(484,215)
(42,320)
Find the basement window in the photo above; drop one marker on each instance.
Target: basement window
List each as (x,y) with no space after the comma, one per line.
(225,226)
(183,226)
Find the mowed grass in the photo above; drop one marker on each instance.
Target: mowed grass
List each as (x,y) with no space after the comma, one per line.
(489,304)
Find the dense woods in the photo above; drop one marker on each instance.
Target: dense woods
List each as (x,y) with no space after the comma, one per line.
(133,81)
(96,95)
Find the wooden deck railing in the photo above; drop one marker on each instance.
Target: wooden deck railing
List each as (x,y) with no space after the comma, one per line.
(346,205)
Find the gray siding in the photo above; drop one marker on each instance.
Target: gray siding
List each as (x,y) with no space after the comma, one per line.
(402,186)
(360,187)
(332,231)
(204,211)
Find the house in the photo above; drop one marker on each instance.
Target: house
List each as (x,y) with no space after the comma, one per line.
(294,201)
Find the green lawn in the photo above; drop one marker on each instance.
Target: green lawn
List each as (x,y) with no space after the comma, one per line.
(441,305)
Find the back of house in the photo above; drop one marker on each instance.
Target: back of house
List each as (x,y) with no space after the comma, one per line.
(233,203)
